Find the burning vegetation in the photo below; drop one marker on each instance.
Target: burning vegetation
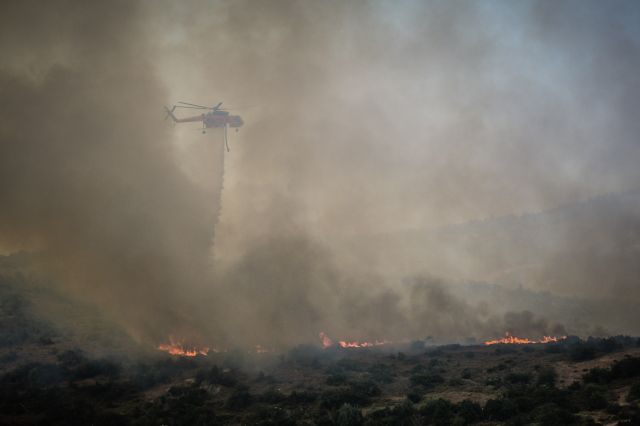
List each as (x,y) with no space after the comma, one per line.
(175,347)
(508,339)
(327,342)
(44,380)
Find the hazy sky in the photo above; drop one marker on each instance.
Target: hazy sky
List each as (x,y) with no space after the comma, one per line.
(363,119)
(395,115)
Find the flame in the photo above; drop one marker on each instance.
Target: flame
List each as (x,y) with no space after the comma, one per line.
(259,349)
(327,342)
(178,348)
(356,344)
(175,347)
(512,340)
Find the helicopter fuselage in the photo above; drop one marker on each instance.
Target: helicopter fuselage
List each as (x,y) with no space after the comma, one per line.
(220,119)
(210,119)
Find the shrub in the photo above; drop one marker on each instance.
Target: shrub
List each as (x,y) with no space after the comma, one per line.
(357,393)
(348,416)
(349,365)
(551,414)
(415,394)
(366,387)
(500,409)
(626,368)
(634,392)
(592,397)
(303,397)
(381,373)
(269,415)
(336,379)
(97,367)
(438,411)
(469,411)
(218,376)
(428,380)
(272,396)
(71,358)
(518,378)
(597,375)
(582,352)
(547,376)
(239,399)
(32,375)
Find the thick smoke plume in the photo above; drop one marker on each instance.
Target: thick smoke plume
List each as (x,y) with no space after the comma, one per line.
(88,178)
(380,132)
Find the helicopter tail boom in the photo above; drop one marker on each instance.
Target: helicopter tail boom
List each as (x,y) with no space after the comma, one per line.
(182,120)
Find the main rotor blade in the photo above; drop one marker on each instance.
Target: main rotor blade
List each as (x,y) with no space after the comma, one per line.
(194,105)
(190,107)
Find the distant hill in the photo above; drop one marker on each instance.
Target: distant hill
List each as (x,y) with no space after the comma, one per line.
(579,260)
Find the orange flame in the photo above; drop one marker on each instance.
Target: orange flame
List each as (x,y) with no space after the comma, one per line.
(327,342)
(175,347)
(259,349)
(356,344)
(512,340)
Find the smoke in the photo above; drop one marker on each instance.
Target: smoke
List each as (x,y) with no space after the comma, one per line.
(88,177)
(375,127)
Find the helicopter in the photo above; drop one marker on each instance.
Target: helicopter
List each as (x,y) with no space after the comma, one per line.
(216,117)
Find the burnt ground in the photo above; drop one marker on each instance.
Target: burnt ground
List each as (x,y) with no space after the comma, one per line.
(88,373)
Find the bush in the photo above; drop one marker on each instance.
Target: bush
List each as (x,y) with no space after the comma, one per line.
(427,380)
(401,414)
(381,373)
(217,376)
(337,397)
(551,414)
(582,352)
(547,376)
(626,368)
(469,411)
(336,379)
(349,365)
(239,399)
(415,394)
(348,416)
(268,415)
(272,396)
(518,378)
(634,392)
(438,411)
(366,387)
(592,397)
(597,375)
(33,375)
(303,397)
(500,409)
(71,358)
(98,367)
